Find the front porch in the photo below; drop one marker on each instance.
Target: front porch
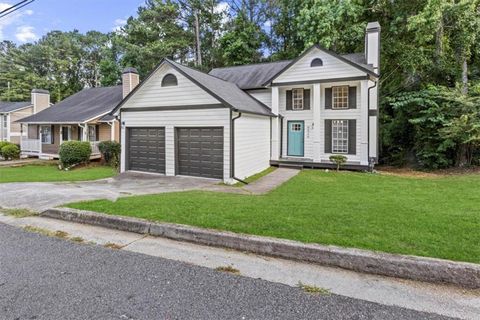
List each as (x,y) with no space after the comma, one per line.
(44,141)
(301,163)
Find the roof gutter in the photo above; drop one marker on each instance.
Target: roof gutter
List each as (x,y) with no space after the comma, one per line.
(232,148)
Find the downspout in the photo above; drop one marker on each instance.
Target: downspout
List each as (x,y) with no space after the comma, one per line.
(232,149)
(370,165)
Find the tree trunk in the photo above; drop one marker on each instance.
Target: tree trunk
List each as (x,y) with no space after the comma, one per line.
(197,35)
(464,75)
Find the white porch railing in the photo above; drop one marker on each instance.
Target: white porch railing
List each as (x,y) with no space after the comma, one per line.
(95,149)
(31,145)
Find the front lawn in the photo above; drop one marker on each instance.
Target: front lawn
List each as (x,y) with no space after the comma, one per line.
(49,173)
(435,217)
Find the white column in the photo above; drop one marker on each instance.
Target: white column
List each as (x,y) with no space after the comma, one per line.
(169,150)
(363,152)
(373,120)
(275,143)
(123,151)
(317,122)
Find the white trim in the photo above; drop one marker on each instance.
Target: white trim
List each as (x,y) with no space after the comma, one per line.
(342,88)
(342,138)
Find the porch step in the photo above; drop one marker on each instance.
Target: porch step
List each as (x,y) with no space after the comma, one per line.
(291,165)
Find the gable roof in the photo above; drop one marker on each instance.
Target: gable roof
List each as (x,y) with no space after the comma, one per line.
(226,92)
(352,59)
(80,107)
(6,107)
(250,76)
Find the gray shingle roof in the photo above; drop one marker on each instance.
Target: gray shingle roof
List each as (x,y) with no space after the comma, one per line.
(253,76)
(227,92)
(6,107)
(250,76)
(80,107)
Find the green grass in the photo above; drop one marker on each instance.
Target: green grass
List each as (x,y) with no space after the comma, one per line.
(257,176)
(47,173)
(435,217)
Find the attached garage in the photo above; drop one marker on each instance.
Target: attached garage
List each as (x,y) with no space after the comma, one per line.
(146,149)
(200,152)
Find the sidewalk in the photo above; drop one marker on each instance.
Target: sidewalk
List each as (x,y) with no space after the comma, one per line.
(444,300)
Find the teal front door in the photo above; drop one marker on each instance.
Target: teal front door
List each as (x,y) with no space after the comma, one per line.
(295,138)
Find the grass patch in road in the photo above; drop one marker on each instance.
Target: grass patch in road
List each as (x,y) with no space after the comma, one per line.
(57,234)
(77,239)
(228,269)
(314,289)
(113,246)
(437,217)
(18,213)
(51,173)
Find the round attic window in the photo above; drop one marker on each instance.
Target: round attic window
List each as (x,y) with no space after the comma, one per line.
(317,62)
(169,80)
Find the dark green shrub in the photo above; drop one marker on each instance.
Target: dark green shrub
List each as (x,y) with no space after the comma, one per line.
(4,143)
(110,152)
(338,159)
(10,151)
(74,152)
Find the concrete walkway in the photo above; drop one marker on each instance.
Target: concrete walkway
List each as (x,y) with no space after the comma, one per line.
(443,300)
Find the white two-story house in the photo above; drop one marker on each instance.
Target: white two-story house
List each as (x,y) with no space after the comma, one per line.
(234,122)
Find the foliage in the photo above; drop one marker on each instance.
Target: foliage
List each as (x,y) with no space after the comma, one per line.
(74,152)
(4,143)
(110,152)
(338,159)
(439,125)
(10,151)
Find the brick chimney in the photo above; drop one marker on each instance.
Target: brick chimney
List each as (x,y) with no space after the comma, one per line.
(372,45)
(40,100)
(130,79)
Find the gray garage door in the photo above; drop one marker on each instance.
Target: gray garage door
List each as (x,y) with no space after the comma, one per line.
(200,152)
(146,149)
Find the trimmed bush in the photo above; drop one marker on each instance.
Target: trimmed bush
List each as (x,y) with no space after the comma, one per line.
(4,143)
(74,153)
(110,152)
(338,159)
(10,151)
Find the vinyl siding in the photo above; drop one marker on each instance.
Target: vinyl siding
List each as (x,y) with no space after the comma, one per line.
(152,94)
(179,118)
(332,68)
(252,145)
(263,95)
(315,127)
(15,128)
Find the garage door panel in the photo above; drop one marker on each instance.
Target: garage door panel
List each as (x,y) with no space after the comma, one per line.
(200,152)
(146,149)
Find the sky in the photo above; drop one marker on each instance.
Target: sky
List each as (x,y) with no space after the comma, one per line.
(35,20)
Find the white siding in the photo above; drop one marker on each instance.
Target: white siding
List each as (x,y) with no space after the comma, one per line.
(180,118)
(332,68)
(263,95)
(306,116)
(152,94)
(312,123)
(252,145)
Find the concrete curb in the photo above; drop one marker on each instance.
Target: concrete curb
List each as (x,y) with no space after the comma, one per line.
(466,275)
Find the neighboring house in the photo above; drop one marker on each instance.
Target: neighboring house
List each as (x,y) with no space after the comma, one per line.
(236,121)
(11,112)
(83,116)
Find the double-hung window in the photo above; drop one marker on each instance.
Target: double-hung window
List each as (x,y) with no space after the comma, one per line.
(339,136)
(297,99)
(340,97)
(46,134)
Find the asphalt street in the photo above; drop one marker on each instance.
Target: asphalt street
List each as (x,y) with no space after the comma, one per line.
(48,278)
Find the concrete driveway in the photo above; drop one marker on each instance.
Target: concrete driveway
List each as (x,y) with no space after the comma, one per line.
(40,196)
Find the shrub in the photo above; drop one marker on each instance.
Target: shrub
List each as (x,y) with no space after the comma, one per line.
(10,151)
(339,160)
(4,143)
(110,152)
(74,152)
